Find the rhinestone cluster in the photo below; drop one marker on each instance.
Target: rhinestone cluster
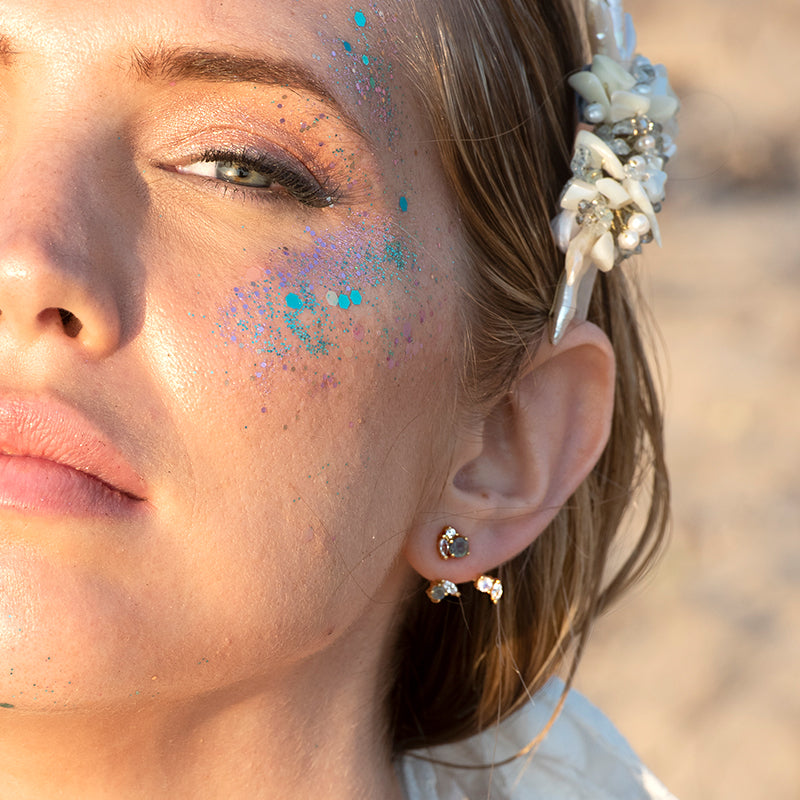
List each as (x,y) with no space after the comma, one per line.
(452,544)
(491,586)
(440,589)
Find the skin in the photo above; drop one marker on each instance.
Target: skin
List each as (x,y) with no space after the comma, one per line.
(232,638)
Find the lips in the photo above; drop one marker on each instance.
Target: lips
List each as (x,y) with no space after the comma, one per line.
(53,460)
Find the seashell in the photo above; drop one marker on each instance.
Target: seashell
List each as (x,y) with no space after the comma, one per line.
(614,192)
(575,260)
(564,227)
(576,191)
(602,254)
(601,28)
(640,199)
(614,77)
(625,105)
(588,86)
(605,155)
(662,107)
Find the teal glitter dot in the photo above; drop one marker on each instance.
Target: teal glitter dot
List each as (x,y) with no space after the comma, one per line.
(293,301)
(365,60)
(355,297)
(344,301)
(403,204)
(360,19)
(347,46)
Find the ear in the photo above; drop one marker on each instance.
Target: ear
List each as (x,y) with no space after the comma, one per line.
(514,468)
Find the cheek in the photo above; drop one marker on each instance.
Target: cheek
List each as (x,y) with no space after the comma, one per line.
(329,312)
(313,429)
(304,379)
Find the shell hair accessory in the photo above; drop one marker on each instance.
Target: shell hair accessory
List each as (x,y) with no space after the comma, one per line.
(609,205)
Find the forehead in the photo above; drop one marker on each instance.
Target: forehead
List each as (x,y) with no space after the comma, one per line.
(335,49)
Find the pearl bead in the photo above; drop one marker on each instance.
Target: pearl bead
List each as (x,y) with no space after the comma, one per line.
(646,142)
(639,223)
(628,240)
(594,113)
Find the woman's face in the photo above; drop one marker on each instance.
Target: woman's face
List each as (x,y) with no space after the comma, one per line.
(239,208)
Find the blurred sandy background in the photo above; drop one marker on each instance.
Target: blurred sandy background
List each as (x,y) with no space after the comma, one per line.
(700,667)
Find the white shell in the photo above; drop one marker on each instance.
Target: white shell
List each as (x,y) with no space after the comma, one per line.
(613,76)
(575,260)
(564,227)
(576,191)
(614,192)
(604,154)
(640,199)
(663,107)
(603,252)
(589,87)
(628,104)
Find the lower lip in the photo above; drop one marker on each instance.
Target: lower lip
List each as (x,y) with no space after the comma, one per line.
(36,485)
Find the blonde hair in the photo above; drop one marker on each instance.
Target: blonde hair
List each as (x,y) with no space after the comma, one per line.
(491,75)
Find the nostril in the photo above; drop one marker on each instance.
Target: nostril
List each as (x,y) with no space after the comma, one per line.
(72,325)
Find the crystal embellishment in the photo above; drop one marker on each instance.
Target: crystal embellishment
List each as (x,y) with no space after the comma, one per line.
(438,590)
(491,586)
(452,544)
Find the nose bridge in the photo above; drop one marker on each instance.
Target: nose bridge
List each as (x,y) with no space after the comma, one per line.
(57,268)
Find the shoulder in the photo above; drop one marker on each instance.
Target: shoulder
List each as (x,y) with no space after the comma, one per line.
(583,757)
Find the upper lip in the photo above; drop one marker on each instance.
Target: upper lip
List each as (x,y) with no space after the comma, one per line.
(49,429)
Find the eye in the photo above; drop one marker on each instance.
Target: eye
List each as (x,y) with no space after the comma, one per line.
(261,174)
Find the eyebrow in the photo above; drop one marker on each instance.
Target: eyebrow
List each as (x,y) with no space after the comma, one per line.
(215,66)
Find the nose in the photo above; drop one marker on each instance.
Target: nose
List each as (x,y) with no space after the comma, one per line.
(42,294)
(58,276)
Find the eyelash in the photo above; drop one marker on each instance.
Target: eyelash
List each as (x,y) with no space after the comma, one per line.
(297,182)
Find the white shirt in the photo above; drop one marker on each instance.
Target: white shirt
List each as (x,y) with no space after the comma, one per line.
(583,757)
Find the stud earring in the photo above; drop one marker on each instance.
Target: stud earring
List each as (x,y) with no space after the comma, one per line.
(438,590)
(452,544)
(491,586)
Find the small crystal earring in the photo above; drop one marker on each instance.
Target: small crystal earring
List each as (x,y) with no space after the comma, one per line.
(438,590)
(491,586)
(452,544)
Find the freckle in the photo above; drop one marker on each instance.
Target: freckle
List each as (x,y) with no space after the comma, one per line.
(403,204)
(365,60)
(360,19)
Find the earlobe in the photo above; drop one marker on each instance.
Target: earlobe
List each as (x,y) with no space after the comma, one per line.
(514,468)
